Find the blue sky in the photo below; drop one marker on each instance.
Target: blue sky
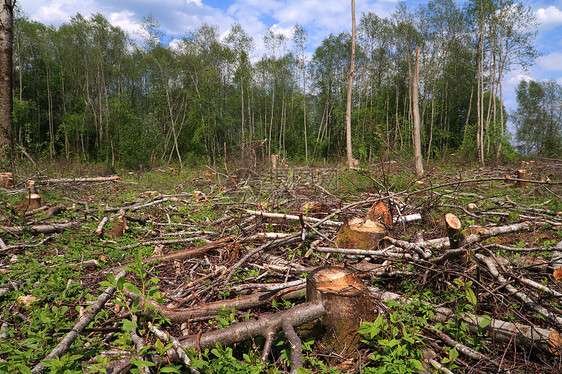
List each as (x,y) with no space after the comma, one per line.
(318,17)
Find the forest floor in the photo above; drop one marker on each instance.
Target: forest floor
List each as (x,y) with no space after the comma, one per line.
(138,274)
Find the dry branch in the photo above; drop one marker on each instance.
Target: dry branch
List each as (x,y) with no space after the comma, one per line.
(63,346)
(40,229)
(546,340)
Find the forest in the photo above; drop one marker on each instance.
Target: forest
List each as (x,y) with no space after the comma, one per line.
(87,90)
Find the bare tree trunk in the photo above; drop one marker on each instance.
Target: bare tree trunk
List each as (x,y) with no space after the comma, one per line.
(349,89)
(416,110)
(6,100)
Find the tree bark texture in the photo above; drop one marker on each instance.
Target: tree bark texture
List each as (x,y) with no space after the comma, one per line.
(416,110)
(349,90)
(6,100)
(347,302)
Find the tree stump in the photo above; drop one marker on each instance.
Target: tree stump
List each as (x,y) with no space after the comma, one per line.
(522,174)
(360,234)
(454,225)
(347,303)
(6,180)
(32,200)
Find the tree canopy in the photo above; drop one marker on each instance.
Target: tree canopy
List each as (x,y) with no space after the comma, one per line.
(85,90)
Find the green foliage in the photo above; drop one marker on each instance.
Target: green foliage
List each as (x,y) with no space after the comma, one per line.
(397,346)
(90,93)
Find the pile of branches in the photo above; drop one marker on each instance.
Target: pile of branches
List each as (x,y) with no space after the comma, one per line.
(257,252)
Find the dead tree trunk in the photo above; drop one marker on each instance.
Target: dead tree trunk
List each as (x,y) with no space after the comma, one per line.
(347,302)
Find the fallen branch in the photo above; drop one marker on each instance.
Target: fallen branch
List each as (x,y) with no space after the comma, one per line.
(40,229)
(63,346)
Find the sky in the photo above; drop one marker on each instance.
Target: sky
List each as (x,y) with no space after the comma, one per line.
(318,17)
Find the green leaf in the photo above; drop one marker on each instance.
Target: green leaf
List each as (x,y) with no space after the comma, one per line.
(131,287)
(417,364)
(129,325)
(471,296)
(486,320)
(169,369)
(142,363)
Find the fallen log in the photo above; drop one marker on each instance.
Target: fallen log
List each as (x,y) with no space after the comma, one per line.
(81,180)
(40,229)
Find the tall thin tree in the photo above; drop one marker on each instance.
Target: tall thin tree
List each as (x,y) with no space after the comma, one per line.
(349,89)
(416,110)
(6,100)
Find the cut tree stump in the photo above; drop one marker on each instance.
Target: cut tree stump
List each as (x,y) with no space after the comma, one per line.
(522,174)
(454,226)
(32,200)
(380,213)
(347,302)
(360,234)
(6,180)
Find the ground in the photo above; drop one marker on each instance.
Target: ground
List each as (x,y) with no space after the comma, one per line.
(201,253)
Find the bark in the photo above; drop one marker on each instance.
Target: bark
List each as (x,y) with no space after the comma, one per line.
(349,90)
(82,180)
(210,310)
(40,229)
(293,317)
(454,225)
(6,82)
(347,303)
(417,139)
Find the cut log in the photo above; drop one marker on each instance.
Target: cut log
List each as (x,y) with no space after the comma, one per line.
(522,174)
(471,207)
(347,303)
(454,226)
(360,234)
(6,180)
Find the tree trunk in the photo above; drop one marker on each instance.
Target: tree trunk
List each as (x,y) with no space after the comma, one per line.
(349,89)
(347,302)
(416,110)
(6,100)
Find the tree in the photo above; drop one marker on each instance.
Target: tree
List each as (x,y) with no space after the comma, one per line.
(300,38)
(6,100)
(415,103)
(349,89)
(538,118)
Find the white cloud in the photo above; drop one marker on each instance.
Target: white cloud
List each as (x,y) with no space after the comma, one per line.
(549,17)
(53,13)
(125,20)
(197,2)
(516,78)
(551,62)
(177,44)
